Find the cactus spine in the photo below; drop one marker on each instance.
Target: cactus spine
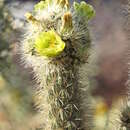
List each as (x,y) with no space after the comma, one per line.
(56,45)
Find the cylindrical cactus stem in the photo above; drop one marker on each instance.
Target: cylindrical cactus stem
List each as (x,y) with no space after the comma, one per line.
(62,88)
(56,46)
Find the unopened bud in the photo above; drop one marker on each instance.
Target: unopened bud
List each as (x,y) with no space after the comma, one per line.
(30,17)
(63,3)
(67,22)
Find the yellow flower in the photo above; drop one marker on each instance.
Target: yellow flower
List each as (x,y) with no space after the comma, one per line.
(49,44)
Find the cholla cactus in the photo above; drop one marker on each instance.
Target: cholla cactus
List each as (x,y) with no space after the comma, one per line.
(56,45)
(125,118)
(125,113)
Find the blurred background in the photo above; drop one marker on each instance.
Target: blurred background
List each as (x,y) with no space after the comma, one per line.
(109,79)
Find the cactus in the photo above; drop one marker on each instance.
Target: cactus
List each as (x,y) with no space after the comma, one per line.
(125,117)
(56,45)
(125,112)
